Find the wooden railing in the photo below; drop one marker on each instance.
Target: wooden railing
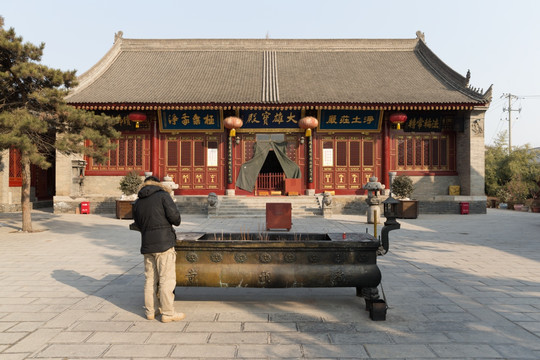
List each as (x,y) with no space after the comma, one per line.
(271,181)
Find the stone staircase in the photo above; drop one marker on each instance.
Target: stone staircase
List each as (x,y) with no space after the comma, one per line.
(255,206)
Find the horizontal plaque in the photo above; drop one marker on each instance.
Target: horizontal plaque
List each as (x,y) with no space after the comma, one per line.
(190,120)
(270,119)
(347,120)
(428,122)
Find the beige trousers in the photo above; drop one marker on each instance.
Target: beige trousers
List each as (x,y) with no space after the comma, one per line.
(160,273)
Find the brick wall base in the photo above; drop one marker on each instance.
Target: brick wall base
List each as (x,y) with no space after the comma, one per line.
(107,205)
(348,205)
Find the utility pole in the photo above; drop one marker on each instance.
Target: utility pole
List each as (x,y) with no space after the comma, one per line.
(510,97)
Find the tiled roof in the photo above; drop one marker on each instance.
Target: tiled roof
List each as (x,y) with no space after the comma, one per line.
(269,71)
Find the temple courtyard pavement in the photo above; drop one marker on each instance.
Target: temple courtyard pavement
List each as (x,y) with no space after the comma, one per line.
(457,287)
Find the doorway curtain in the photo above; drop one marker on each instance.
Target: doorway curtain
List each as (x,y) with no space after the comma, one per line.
(247,177)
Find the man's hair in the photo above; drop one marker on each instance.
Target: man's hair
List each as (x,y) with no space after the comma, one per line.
(151,178)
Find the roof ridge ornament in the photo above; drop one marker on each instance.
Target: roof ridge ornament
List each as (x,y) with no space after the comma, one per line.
(420,35)
(118,35)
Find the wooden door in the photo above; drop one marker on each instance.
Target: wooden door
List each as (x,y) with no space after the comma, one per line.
(347,162)
(193,161)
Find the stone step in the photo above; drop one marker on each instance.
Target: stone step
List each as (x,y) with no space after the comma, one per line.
(238,206)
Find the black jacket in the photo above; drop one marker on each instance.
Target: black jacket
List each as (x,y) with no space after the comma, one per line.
(154,213)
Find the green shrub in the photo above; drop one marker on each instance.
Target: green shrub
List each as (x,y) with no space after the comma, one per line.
(402,186)
(130,183)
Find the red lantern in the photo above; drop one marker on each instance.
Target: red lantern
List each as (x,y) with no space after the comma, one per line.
(398,118)
(137,118)
(233,123)
(308,123)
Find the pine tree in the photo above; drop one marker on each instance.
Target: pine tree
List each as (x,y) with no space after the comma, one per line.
(34,118)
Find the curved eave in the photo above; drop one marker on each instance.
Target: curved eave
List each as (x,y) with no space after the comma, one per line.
(449,76)
(89,76)
(384,107)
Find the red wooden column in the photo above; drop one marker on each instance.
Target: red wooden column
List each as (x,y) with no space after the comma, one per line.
(310,183)
(386,153)
(154,150)
(230,158)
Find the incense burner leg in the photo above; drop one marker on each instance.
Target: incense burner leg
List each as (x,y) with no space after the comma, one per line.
(374,304)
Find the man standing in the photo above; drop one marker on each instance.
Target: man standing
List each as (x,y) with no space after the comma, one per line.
(155,213)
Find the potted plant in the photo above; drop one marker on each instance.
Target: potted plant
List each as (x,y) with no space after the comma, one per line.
(129,184)
(402,188)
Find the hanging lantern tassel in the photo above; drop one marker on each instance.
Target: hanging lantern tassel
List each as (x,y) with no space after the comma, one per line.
(232,133)
(308,132)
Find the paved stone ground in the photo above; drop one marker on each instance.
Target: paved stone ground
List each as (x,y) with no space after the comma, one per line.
(458,287)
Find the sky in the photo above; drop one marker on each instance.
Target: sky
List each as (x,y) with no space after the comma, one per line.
(498,41)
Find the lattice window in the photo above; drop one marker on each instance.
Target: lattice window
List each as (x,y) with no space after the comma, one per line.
(113,157)
(139,153)
(121,153)
(172,153)
(418,152)
(341,153)
(369,154)
(185,153)
(130,156)
(198,156)
(435,152)
(423,152)
(409,150)
(354,153)
(15,168)
(425,144)
(401,152)
(131,153)
(444,152)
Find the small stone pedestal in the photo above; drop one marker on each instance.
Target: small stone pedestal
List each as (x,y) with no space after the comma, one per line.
(374,210)
(168,181)
(373,188)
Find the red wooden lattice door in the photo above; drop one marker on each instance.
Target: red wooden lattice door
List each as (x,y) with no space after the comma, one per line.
(193,161)
(346,163)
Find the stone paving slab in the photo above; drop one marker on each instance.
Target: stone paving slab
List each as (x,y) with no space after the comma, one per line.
(457,286)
